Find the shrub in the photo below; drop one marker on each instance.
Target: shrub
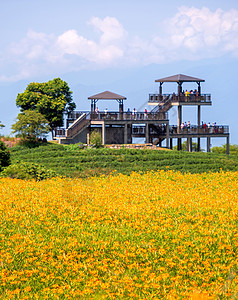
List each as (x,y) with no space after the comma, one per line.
(27,171)
(96,139)
(4,156)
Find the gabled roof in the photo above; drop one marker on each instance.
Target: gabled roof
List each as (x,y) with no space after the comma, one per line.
(179,78)
(107,96)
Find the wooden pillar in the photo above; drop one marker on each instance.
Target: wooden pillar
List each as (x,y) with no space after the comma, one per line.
(92,106)
(167,135)
(189,144)
(179,145)
(171,144)
(179,118)
(199,123)
(147,133)
(199,88)
(129,136)
(208,144)
(227,145)
(179,89)
(125,134)
(160,88)
(103,133)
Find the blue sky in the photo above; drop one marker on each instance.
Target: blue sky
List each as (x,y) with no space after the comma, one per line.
(121,45)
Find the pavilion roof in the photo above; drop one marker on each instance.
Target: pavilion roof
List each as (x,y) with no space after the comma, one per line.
(107,95)
(179,78)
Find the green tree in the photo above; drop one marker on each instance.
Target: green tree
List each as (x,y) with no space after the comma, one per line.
(52,99)
(233,149)
(4,156)
(30,125)
(1,125)
(184,147)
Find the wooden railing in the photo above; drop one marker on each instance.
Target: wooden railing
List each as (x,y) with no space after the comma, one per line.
(74,128)
(115,115)
(156,98)
(193,129)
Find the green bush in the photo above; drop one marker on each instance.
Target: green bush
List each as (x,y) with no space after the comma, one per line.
(4,156)
(27,171)
(96,139)
(222,150)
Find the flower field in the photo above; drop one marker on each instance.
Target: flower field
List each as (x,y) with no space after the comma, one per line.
(158,235)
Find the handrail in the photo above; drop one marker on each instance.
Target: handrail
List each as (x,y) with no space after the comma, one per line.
(157,98)
(115,115)
(194,129)
(77,125)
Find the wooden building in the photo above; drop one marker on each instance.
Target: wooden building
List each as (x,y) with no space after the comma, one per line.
(119,127)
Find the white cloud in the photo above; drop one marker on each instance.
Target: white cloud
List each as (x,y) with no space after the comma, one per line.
(203,32)
(190,34)
(108,49)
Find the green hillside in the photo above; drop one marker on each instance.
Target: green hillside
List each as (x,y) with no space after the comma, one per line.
(72,161)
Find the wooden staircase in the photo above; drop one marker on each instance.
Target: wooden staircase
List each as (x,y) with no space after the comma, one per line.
(78,126)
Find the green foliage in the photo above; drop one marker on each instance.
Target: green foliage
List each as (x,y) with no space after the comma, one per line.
(222,150)
(30,125)
(1,125)
(93,162)
(184,146)
(96,139)
(27,171)
(51,99)
(4,156)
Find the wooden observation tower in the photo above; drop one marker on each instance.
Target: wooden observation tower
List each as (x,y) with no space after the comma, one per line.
(119,127)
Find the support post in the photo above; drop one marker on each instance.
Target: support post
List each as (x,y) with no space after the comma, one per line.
(160,91)
(179,89)
(171,143)
(189,144)
(167,135)
(208,144)
(199,124)
(125,134)
(179,118)
(227,145)
(179,145)
(147,133)
(103,133)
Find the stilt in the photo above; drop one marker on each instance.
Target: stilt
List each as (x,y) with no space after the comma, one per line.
(208,144)
(125,134)
(227,145)
(147,133)
(167,135)
(199,123)
(171,144)
(179,145)
(179,118)
(189,144)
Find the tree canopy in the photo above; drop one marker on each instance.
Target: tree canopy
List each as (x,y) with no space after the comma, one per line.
(4,156)
(52,99)
(30,125)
